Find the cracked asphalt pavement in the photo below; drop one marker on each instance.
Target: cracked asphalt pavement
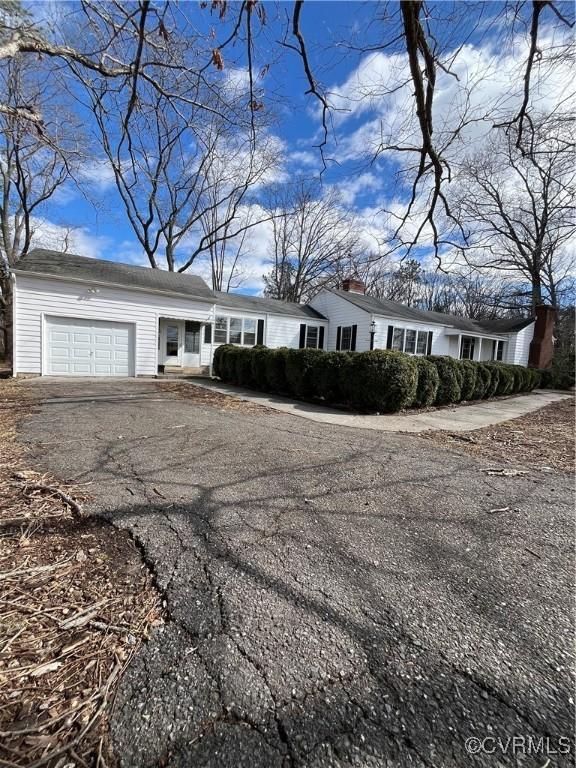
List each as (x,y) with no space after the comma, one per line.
(335,597)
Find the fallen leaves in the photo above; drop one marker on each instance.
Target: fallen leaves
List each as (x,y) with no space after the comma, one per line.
(75,604)
(542,441)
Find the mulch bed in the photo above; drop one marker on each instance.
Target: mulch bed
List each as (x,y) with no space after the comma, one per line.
(76,602)
(542,440)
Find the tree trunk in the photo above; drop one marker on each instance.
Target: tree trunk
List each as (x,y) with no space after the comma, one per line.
(6,323)
(536,290)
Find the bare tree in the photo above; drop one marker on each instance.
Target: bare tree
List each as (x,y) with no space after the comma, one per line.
(312,237)
(31,169)
(432,37)
(519,206)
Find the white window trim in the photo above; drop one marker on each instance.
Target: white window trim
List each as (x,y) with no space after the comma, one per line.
(343,328)
(405,333)
(313,328)
(242,319)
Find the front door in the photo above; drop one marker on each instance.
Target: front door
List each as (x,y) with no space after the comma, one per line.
(172,343)
(191,354)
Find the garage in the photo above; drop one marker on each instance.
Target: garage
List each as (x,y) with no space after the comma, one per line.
(78,347)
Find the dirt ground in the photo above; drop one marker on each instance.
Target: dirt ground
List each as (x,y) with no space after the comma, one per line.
(542,440)
(76,602)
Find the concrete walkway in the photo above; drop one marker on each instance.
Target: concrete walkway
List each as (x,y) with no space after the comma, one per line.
(458,418)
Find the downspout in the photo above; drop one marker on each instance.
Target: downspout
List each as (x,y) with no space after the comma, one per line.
(12,279)
(210,367)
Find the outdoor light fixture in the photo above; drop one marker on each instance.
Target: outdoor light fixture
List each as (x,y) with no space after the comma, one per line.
(372,333)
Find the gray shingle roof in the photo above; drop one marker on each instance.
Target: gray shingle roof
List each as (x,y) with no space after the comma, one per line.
(56,264)
(395,309)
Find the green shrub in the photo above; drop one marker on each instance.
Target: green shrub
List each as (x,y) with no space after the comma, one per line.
(468,382)
(535,378)
(327,376)
(561,374)
(276,370)
(521,379)
(260,357)
(450,387)
(381,380)
(505,378)
(483,379)
(218,362)
(242,357)
(300,364)
(494,380)
(428,382)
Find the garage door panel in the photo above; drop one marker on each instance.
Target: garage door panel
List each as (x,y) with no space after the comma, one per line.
(78,347)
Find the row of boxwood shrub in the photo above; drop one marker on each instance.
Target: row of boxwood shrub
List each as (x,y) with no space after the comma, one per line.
(381,380)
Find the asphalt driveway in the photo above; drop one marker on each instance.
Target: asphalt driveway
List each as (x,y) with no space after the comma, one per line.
(336,597)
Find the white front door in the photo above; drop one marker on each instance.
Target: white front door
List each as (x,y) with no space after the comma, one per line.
(76,347)
(172,342)
(192,341)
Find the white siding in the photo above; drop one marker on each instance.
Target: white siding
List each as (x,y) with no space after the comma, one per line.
(285,331)
(39,296)
(440,342)
(519,345)
(341,312)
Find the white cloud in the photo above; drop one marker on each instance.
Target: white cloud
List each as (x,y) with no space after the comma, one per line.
(97,173)
(58,237)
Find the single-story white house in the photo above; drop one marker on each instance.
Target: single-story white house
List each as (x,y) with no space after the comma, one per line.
(76,316)
(359,322)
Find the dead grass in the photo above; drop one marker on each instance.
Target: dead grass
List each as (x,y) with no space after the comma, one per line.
(202,396)
(76,602)
(542,440)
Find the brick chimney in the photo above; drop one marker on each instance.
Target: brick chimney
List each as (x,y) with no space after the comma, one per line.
(352,285)
(542,345)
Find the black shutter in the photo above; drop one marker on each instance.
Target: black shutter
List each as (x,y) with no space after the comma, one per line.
(260,332)
(429,345)
(338,335)
(494,350)
(302,335)
(207,334)
(390,335)
(353,341)
(321,338)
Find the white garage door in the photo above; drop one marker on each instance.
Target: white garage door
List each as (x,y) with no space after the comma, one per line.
(89,347)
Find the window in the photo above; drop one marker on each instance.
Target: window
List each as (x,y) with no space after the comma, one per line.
(312,336)
(249,332)
(410,342)
(235,330)
(346,338)
(499,351)
(192,337)
(398,339)
(171,340)
(422,343)
(467,348)
(221,330)
(235,335)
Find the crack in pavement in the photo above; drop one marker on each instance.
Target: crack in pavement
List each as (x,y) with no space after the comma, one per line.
(348,606)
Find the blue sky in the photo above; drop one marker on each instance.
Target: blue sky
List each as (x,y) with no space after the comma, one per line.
(356,82)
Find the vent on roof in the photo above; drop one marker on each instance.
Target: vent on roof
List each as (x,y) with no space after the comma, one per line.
(352,285)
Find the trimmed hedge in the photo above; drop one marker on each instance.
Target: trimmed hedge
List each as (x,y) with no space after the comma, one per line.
(428,382)
(327,376)
(300,364)
(380,380)
(450,375)
(483,381)
(468,383)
